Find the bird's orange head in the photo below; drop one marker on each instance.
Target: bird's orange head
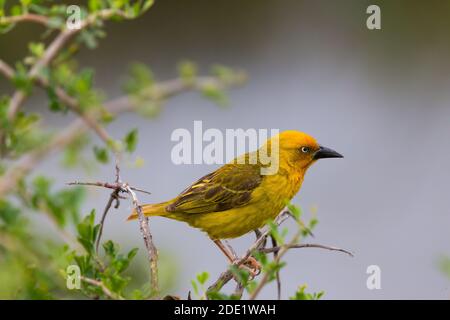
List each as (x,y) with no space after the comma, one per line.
(300,150)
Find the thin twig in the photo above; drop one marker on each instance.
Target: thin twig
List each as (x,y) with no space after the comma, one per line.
(106,185)
(305,245)
(113,197)
(6,70)
(238,291)
(277,274)
(102,286)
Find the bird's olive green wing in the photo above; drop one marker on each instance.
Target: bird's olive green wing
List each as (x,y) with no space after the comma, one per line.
(231,186)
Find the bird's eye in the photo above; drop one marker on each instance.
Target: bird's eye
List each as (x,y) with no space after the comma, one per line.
(305,149)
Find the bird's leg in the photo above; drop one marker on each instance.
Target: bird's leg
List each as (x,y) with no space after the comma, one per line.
(258,235)
(231,250)
(254,266)
(225,250)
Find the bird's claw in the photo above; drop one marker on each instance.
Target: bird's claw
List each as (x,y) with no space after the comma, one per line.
(252,266)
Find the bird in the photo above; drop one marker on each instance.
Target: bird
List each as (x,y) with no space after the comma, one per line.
(238,198)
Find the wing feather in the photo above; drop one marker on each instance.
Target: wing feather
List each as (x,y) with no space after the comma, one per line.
(230,186)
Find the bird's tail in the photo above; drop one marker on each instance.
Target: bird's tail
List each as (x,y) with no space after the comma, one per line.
(149,210)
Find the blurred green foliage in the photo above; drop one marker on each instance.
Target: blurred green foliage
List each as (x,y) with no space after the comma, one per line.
(35,252)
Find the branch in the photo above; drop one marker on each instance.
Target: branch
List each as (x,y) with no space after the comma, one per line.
(277,275)
(282,250)
(113,197)
(120,187)
(65,98)
(148,240)
(105,185)
(116,106)
(7,71)
(29,17)
(304,245)
(102,286)
(52,50)
(259,246)
(166,89)
(227,275)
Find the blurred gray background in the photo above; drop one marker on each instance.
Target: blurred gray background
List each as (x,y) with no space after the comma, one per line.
(379,97)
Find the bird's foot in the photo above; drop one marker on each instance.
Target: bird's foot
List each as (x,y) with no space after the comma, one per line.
(252,266)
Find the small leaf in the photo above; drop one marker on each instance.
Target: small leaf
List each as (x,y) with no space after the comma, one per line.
(202,277)
(194,286)
(215,94)
(36,48)
(101,154)
(187,70)
(140,78)
(131,140)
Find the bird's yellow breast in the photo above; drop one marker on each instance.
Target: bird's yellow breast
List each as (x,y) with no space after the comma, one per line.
(267,202)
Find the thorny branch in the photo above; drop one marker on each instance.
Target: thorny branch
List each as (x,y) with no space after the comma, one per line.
(119,187)
(259,246)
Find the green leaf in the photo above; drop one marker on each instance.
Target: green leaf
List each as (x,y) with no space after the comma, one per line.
(301,294)
(88,38)
(225,74)
(202,277)
(73,152)
(9,214)
(214,295)
(149,109)
(36,48)
(275,233)
(131,140)
(132,253)
(140,78)
(188,71)
(111,249)
(445,266)
(94,5)
(56,22)
(101,154)
(55,104)
(241,274)
(214,93)
(195,287)
(296,211)
(87,232)
(21,80)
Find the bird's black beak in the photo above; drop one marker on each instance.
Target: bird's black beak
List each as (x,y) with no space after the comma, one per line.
(325,152)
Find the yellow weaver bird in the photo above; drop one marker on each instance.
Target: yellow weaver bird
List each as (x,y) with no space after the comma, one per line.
(237,198)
